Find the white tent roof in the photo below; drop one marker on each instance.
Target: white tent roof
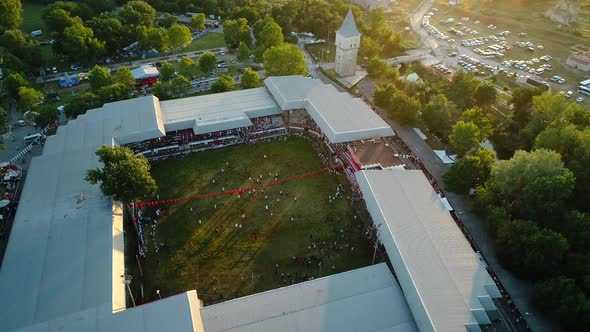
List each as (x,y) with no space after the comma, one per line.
(64,253)
(218,111)
(445,283)
(366,299)
(341,117)
(145,72)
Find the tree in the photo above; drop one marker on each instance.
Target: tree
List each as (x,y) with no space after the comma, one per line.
(285,59)
(485,94)
(124,176)
(178,36)
(438,115)
(532,185)
(81,103)
(10,14)
(564,139)
(236,31)
(109,29)
(378,69)
(13,83)
(530,251)
(3,118)
(461,89)
(57,20)
(29,98)
(247,13)
(124,77)
(370,48)
(207,62)
(138,13)
(161,90)
(99,77)
(477,117)
(167,20)
(198,22)
(383,93)
(470,171)
(186,67)
(243,52)
(561,298)
(179,86)
(522,102)
(14,41)
(464,137)
(166,71)
(223,84)
(250,79)
(154,38)
(79,43)
(271,34)
(404,108)
(46,115)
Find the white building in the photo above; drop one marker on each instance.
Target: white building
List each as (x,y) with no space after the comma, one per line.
(348,41)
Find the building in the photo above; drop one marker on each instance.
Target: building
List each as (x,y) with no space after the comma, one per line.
(348,41)
(580,61)
(64,266)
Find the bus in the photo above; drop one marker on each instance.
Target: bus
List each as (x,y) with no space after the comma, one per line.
(35,138)
(585,90)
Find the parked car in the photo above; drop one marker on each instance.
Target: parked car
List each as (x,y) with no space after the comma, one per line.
(569,94)
(579,99)
(21,123)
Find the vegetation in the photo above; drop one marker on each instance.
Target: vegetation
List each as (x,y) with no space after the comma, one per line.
(250,79)
(124,176)
(223,84)
(284,59)
(205,251)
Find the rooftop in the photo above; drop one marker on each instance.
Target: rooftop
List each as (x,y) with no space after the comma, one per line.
(348,28)
(446,284)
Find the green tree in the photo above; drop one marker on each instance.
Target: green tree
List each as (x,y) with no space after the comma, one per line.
(404,108)
(478,117)
(13,83)
(530,251)
(485,94)
(561,298)
(532,185)
(179,86)
(198,22)
(161,90)
(187,67)
(3,118)
(154,38)
(236,31)
(285,59)
(81,103)
(138,13)
(243,52)
(14,41)
(271,34)
(383,93)
(250,79)
(79,43)
(10,14)
(46,115)
(438,115)
(378,69)
(464,137)
(29,98)
(247,13)
(207,62)
(223,84)
(166,71)
(124,177)
(167,20)
(522,102)
(58,20)
(110,30)
(470,171)
(178,36)
(461,89)
(370,48)
(99,77)
(564,139)
(124,77)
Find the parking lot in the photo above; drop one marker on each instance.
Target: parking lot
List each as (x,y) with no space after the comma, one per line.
(487,50)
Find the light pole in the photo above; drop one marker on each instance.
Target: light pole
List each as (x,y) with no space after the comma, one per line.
(158,292)
(376,243)
(127,281)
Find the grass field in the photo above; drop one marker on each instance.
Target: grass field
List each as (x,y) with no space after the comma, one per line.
(210,40)
(238,261)
(32,17)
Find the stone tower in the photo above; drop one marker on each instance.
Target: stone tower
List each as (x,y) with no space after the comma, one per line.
(348,41)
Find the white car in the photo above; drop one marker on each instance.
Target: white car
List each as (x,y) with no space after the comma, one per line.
(579,99)
(561,81)
(569,94)
(21,123)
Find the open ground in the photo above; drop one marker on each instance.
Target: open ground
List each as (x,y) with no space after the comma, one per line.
(204,250)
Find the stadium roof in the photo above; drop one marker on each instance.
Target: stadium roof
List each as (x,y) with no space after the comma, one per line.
(219,111)
(341,117)
(348,28)
(445,283)
(366,299)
